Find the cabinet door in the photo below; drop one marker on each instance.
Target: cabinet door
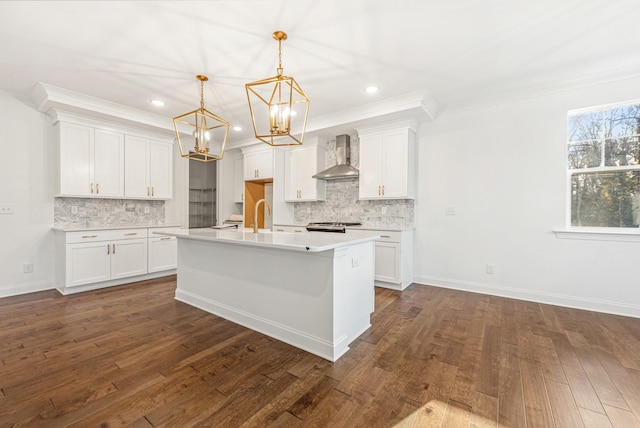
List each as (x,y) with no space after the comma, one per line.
(136,165)
(388,262)
(291,173)
(87,263)
(163,253)
(76,160)
(238,181)
(307,166)
(160,169)
(108,164)
(371,167)
(128,258)
(265,164)
(250,167)
(395,153)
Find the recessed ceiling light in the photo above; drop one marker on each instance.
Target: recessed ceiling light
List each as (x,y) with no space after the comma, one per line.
(372,89)
(157,103)
(237,128)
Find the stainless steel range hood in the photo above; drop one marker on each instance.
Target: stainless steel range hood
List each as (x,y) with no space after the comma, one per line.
(342,169)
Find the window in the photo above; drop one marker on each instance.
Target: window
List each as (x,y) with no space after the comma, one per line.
(603,160)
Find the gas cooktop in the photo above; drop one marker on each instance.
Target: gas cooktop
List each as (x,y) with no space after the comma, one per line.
(331,226)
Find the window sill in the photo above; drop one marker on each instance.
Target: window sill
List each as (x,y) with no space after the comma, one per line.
(599,234)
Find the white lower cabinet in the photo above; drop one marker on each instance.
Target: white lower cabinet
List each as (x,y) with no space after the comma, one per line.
(97,258)
(393,258)
(163,253)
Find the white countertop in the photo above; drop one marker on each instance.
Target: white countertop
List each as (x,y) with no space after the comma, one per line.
(311,242)
(129,226)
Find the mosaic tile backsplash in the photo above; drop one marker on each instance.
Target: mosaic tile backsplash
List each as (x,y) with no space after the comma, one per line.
(107,212)
(342,203)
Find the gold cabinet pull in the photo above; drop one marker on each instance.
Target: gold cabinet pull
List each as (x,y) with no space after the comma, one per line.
(114,248)
(131,234)
(165,239)
(148,191)
(92,188)
(385,236)
(383,190)
(97,188)
(89,236)
(153,191)
(108,249)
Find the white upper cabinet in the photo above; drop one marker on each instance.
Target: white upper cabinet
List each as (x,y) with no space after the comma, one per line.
(387,159)
(148,168)
(161,169)
(258,165)
(91,162)
(300,165)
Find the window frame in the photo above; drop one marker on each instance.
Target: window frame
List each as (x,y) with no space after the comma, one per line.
(609,233)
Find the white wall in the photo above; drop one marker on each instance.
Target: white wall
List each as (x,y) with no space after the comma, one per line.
(503,168)
(26,182)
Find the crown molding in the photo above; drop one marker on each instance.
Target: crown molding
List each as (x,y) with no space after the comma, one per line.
(54,101)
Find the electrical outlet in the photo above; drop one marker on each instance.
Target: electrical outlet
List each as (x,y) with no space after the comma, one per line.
(146,210)
(7,209)
(489,268)
(27,267)
(355,262)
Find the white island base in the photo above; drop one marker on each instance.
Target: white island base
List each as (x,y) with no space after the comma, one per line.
(317,299)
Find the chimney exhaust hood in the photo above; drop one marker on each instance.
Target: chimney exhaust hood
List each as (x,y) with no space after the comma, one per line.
(342,169)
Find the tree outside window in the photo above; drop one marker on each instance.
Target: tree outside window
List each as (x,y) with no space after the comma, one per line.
(603,160)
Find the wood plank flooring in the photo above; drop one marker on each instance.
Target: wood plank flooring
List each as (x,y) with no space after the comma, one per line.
(133,356)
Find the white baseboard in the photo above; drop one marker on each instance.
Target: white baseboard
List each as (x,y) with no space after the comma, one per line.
(28,287)
(595,305)
(299,339)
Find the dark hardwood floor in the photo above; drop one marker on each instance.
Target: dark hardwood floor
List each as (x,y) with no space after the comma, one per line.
(132,355)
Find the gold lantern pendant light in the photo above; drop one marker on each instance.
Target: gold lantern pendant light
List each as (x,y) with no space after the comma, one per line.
(279,108)
(204,134)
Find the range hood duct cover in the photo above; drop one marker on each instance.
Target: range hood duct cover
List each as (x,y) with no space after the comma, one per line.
(342,169)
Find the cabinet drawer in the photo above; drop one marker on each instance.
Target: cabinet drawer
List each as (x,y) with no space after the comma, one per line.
(104,235)
(390,236)
(129,233)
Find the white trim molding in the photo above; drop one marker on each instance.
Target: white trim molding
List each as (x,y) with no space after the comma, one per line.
(599,234)
(27,287)
(616,308)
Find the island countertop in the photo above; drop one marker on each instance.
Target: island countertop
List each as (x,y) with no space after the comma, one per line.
(308,242)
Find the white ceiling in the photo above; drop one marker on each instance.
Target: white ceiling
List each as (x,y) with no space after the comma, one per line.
(459,51)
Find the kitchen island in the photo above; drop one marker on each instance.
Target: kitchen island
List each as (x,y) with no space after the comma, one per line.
(314,291)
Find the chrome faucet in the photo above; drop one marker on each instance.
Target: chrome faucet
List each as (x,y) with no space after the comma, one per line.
(255,213)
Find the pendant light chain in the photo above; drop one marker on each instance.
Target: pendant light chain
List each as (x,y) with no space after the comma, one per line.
(202,94)
(279,57)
